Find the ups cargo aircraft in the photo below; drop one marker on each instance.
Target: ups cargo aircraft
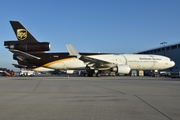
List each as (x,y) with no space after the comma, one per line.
(27,50)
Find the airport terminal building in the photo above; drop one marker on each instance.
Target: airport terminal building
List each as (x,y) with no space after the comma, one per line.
(171,51)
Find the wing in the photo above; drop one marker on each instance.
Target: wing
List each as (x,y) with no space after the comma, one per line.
(23,56)
(90,62)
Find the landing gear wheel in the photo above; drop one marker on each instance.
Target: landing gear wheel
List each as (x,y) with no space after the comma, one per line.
(85,74)
(98,75)
(94,74)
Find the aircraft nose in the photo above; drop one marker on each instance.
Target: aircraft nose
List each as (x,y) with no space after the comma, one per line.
(172,63)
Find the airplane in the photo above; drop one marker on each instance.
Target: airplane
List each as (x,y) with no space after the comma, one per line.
(30,53)
(121,63)
(27,49)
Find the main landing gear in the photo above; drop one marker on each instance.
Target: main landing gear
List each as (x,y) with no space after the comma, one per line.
(154,73)
(92,73)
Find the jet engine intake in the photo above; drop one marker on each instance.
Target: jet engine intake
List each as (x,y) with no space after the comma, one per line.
(121,69)
(67,71)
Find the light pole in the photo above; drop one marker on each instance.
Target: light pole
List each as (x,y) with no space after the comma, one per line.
(164,43)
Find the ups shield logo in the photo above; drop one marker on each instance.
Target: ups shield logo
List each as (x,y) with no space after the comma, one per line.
(21,34)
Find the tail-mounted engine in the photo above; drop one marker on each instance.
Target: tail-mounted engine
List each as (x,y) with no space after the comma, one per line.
(121,69)
(28,47)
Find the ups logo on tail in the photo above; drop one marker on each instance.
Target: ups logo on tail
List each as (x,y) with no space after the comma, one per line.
(21,34)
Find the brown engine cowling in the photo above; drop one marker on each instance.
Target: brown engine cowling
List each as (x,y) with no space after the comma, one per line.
(30,47)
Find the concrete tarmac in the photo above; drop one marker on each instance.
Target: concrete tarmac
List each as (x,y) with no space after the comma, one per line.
(89,98)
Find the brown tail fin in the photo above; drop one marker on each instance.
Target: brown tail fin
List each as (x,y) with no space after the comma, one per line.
(22,33)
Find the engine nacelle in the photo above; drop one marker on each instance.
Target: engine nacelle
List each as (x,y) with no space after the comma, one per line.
(121,69)
(30,47)
(69,71)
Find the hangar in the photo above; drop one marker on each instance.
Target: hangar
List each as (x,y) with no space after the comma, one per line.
(172,51)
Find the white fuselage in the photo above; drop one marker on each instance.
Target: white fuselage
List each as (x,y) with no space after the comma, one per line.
(139,62)
(134,61)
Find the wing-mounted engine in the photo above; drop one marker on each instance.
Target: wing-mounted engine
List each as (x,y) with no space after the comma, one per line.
(121,69)
(69,71)
(27,47)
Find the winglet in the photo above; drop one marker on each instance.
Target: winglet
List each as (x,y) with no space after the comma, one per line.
(72,51)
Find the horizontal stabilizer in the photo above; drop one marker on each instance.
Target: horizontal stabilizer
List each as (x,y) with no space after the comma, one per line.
(23,55)
(19,66)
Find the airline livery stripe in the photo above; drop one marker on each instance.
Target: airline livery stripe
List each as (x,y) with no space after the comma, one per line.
(57,61)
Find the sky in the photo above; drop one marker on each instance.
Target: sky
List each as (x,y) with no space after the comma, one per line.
(113,26)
